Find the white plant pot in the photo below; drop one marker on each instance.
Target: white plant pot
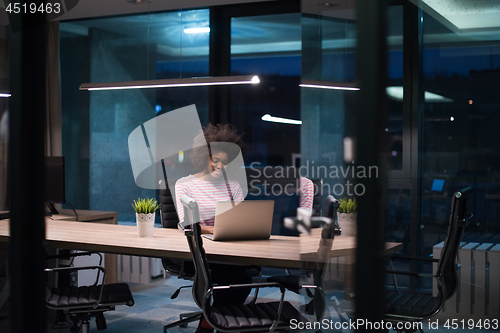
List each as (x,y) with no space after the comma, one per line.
(145,224)
(347,223)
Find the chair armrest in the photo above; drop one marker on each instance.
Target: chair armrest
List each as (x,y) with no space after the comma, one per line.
(390,271)
(71,255)
(259,279)
(100,268)
(413,258)
(248,285)
(78,254)
(394,273)
(47,270)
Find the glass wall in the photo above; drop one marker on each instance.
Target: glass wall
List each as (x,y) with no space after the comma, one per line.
(268,46)
(461,69)
(96,125)
(459,145)
(4,120)
(329,39)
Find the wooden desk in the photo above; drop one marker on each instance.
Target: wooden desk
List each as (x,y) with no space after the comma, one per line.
(279,251)
(94,216)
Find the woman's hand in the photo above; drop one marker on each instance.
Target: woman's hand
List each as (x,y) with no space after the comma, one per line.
(207,229)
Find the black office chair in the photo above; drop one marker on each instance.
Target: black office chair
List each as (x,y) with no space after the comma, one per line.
(252,316)
(183,269)
(401,306)
(293,282)
(83,303)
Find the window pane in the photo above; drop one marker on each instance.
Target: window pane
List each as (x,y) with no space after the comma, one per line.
(394,127)
(96,125)
(268,46)
(460,146)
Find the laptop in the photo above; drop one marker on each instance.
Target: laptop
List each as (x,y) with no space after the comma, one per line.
(242,220)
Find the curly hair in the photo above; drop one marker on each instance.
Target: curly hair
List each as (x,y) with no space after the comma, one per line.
(215,133)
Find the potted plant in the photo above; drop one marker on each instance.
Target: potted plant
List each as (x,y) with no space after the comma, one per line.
(347,214)
(145,216)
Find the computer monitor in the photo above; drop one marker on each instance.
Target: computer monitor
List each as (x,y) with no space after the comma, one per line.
(437,185)
(54,182)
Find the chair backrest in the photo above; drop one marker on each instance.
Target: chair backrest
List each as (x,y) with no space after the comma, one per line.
(330,210)
(447,267)
(169,219)
(192,230)
(168,216)
(318,196)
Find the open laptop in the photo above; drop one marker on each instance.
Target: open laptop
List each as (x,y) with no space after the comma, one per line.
(235,220)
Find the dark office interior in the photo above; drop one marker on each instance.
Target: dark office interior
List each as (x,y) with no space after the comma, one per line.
(425,117)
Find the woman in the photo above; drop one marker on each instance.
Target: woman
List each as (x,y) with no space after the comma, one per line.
(210,184)
(207,187)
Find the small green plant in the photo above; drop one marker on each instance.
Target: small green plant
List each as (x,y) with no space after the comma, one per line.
(145,206)
(348,206)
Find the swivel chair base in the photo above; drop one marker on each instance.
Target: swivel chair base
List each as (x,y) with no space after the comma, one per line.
(185,319)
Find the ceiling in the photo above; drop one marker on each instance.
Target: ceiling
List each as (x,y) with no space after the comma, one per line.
(465,20)
(98,8)
(463,15)
(457,15)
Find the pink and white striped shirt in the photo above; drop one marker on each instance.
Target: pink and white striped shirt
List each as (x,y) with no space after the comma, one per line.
(206,194)
(306,192)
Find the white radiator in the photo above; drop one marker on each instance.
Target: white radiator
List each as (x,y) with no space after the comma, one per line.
(138,269)
(478,293)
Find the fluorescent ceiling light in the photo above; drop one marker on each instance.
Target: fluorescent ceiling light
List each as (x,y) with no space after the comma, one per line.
(196,30)
(268,117)
(170,83)
(4,95)
(396,93)
(328,85)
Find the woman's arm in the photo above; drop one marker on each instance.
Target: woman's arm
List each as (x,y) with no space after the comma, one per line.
(306,192)
(207,229)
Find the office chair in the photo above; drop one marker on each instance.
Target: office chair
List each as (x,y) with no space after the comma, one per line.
(318,197)
(330,228)
(268,316)
(407,306)
(85,302)
(183,269)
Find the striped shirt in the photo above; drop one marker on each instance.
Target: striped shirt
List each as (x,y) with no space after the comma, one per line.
(306,192)
(207,193)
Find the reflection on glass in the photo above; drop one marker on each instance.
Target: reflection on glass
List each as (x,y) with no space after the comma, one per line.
(460,136)
(269,46)
(96,125)
(394,126)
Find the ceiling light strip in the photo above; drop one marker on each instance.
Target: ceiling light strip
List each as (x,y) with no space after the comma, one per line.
(268,117)
(196,30)
(171,83)
(4,95)
(328,85)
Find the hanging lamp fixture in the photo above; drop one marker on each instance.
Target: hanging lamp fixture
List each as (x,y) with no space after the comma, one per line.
(177,82)
(170,83)
(328,85)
